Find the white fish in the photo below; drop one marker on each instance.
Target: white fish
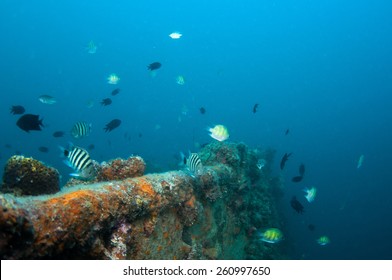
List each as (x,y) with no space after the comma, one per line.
(360,161)
(310,194)
(261,163)
(180,80)
(175,35)
(91,47)
(47,99)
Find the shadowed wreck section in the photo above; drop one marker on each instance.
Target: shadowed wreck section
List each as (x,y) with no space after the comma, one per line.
(214,214)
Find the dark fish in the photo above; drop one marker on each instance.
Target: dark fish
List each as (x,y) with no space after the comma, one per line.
(58,134)
(255,107)
(106,102)
(284,159)
(154,66)
(91,147)
(302,169)
(112,125)
(79,159)
(29,122)
(311,227)
(8,146)
(202,110)
(17,110)
(81,129)
(140,135)
(193,162)
(115,91)
(297,206)
(297,179)
(287,131)
(184,160)
(43,149)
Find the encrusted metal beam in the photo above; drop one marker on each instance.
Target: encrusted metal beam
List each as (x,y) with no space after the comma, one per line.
(73,220)
(213,213)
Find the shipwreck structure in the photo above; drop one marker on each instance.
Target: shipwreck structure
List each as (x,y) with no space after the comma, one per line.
(123,214)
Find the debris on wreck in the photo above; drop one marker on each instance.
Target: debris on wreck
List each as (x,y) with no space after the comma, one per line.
(27,176)
(120,169)
(125,214)
(116,169)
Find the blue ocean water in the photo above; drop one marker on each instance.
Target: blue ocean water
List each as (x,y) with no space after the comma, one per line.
(321,69)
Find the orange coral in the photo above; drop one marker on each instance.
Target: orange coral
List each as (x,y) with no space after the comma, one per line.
(191,202)
(70,197)
(145,186)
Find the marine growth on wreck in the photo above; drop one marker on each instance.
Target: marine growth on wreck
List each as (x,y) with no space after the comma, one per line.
(218,213)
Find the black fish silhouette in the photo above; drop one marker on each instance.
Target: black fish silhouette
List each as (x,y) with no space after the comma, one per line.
(202,110)
(115,91)
(154,66)
(58,134)
(284,159)
(302,169)
(43,149)
(297,179)
(311,227)
(106,102)
(112,125)
(297,206)
(29,122)
(287,131)
(255,107)
(17,110)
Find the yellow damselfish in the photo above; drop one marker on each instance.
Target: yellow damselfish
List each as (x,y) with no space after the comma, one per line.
(323,240)
(113,79)
(272,235)
(219,132)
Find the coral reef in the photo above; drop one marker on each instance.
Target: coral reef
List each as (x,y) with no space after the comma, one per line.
(27,176)
(120,169)
(174,215)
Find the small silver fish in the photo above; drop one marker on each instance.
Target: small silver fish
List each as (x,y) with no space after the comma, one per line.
(261,163)
(47,99)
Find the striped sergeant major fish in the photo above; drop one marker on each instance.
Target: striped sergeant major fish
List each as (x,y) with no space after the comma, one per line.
(81,129)
(79,160)
(193,163)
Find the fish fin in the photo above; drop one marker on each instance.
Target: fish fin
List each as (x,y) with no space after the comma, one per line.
(76,175)
(62,151)
(67,163)
(183,160)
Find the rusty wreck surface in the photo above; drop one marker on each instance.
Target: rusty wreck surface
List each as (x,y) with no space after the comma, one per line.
(172,215)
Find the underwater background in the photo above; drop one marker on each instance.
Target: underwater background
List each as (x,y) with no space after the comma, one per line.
(320,69)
